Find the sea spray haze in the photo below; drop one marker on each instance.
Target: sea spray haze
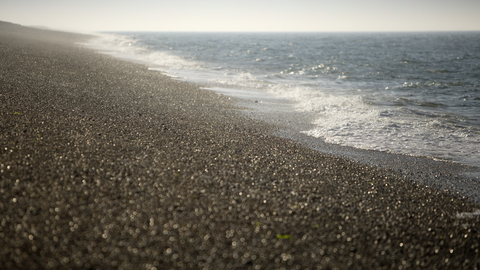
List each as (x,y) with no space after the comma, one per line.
(410,93)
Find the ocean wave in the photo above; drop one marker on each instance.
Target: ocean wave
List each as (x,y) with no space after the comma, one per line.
(409,98)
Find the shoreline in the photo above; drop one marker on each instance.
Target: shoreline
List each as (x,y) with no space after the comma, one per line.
(246,82)
(106,164)
(450,176)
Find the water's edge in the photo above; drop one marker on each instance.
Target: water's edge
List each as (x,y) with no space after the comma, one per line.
(452,177)
(455,178)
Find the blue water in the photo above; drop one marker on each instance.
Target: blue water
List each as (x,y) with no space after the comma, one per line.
(410,93)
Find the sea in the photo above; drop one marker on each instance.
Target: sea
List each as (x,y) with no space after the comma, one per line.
(410,93)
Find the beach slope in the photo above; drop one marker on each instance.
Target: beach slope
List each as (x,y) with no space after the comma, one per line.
(105,164)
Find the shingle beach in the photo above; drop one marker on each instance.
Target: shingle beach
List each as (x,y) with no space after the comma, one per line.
(105,164)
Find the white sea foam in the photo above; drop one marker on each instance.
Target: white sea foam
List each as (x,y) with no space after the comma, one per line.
(115,44)
(124,46)
(351,121)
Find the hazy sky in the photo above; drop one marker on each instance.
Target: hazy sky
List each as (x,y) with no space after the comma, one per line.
(245,15)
